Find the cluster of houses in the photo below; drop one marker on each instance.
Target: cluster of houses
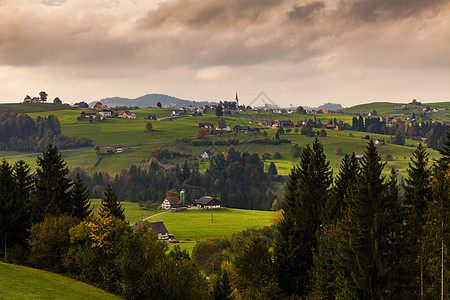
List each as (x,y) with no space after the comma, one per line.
(173,203)
(102,111)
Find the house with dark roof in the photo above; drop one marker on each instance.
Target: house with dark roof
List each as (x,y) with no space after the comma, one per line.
(88,114)
(208,202)
(171,202)
(158,227)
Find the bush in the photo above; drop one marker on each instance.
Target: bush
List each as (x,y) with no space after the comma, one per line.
(277,155)
(338,150)
(49,242)
(389,157)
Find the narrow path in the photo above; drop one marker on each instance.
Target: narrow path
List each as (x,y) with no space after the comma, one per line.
(164,212)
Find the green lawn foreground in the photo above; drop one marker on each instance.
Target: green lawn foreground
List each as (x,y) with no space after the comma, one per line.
(19,282)
(196,224)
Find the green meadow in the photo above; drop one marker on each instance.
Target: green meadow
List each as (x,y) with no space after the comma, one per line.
(19,282)
(196,224)
(133,212)
(138,143)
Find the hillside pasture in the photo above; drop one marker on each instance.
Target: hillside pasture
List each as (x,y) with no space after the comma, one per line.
(196,224)
(19,282)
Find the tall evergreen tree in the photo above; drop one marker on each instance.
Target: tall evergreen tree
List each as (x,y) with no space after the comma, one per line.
(335,205)
(186,172)
(7,199)
(23,181)
(52,187)
(372,223)
(80,199)
(307,191)
(110,204)
(417,195)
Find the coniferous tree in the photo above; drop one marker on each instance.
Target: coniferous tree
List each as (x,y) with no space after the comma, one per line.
(23,181)
(437,238)
(417,195)
(110,204)
(186,172)
(7,198)
(371,225)
(307,191)
(52,187)
(335,205)
(272,170)
(80,199)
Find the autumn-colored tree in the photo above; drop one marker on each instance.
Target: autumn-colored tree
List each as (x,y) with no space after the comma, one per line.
(148,126)
(201,133)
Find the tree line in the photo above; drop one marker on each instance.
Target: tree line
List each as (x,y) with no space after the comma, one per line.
(20,132)
(233,177)
(46,222)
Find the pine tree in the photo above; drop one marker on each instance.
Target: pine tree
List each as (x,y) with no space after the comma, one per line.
(335,205)
(80,199)
(7,197)
(437,239)
(272,170)
(51,195)
(186,172)
(110,204)
(445,150)
(371,225)
(417,195)
(23,181)
(307,191)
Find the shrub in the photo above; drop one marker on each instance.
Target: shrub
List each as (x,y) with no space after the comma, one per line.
(49,242)
(277,155)
(338,150)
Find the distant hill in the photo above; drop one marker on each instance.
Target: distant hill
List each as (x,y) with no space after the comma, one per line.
(150,100)
(329,105)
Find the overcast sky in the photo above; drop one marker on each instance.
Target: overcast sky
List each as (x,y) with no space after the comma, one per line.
(298,52)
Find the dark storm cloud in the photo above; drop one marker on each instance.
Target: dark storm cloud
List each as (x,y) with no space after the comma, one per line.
(385,10)
(209,14)
(305,13)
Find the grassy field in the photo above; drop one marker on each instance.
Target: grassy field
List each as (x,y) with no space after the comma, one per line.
(133,212)
(139,143)
(18,282)
(196,224)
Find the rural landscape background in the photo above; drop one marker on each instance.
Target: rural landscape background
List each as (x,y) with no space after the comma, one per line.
(226,149)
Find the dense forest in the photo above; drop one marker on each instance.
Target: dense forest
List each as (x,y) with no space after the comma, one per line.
(235,178)
(348,236)
(20,132)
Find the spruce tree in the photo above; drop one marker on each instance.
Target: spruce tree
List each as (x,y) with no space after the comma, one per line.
(186,172)
(307,191)
(80,199)
(110,204)
(372,223)
(23,181)
(7,198)
(52,187)
(335,205)
(417,195)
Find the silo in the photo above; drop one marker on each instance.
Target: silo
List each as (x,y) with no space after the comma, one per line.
(182,197)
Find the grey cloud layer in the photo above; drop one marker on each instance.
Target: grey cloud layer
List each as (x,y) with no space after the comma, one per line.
(194,33)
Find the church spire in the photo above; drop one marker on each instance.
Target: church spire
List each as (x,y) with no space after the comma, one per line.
(237,100)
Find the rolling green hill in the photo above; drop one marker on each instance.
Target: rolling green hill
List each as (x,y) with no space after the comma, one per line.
(19,282)
(33,107)
(139,143)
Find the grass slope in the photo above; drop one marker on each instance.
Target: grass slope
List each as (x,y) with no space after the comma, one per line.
(139,143)
(18,282)
(33,107)
(133,212)
(196,224)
